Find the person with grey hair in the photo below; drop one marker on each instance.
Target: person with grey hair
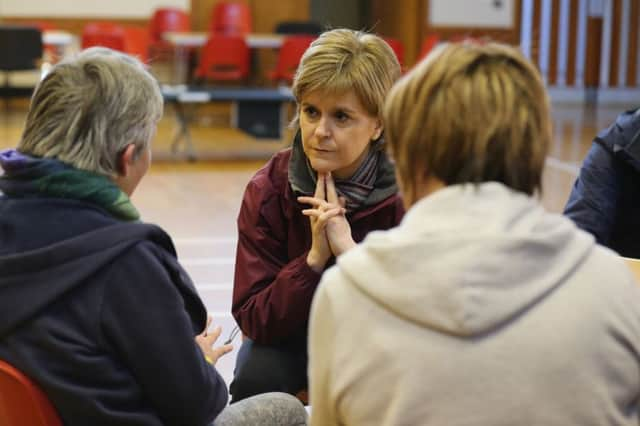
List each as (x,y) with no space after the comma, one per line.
(94,306)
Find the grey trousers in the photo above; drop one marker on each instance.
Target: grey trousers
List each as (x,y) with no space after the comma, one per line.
(268,409)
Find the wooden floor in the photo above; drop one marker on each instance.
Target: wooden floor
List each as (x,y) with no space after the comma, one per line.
(197,203)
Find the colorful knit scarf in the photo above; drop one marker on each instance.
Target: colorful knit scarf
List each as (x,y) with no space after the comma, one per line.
(26,177)
(373,182)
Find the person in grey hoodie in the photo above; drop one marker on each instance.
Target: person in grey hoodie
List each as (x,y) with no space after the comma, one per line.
(480,307)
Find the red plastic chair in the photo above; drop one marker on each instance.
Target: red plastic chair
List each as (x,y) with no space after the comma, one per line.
(106,34)
(397,47)
(130,40)
(164,20)
(167,19)
(293,47)
(231,18)
(224,58)
(22,402)
(136,42)
(428,44)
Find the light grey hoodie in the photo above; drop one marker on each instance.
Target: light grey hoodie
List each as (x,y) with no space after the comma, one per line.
(480,308)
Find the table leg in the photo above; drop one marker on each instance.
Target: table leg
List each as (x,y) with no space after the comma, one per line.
(182,131)
(180,65)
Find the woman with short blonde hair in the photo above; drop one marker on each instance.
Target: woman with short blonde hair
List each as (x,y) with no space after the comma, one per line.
(311,203)
(480,307)
(342,60)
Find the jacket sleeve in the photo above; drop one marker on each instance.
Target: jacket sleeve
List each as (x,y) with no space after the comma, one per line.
(272,294)
(321,342)
(145,321)
(399,211)
(593,201)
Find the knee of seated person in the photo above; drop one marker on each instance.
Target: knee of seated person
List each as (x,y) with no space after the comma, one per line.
(269,368)
(274,408)
(251,381)
(262,373)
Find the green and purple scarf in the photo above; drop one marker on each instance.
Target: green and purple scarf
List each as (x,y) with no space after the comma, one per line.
(26,176)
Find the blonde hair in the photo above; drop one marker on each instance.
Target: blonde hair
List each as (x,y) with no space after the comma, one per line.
(88,109)
(470,113)
(342,60)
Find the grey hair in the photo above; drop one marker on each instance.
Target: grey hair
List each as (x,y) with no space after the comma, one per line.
(89,108)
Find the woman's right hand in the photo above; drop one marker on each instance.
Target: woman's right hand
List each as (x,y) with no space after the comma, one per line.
(338,229)
(320,251)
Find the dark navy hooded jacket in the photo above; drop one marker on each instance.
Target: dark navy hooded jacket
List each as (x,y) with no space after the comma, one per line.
(102,317)
(605,199)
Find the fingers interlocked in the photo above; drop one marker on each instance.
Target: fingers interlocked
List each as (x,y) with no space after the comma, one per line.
(326,203)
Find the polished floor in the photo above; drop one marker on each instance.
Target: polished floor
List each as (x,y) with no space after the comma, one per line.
(197,202)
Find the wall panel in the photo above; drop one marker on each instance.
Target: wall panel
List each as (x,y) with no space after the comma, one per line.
(554,42)
(632,62)
(572,43)
(75,25)
(615,42)
(125,9)
(504,33)
(404,23)
(265,13)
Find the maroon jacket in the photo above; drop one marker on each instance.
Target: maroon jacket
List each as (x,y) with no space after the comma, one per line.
(273,285)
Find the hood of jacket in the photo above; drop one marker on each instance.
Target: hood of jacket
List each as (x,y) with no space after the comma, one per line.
(33,279)
(467,259)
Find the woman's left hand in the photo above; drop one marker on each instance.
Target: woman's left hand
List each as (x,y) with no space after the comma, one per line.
(338,227)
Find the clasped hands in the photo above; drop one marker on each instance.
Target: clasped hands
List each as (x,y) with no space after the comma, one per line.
(330,230)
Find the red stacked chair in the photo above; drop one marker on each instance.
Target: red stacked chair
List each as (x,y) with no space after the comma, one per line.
(231,18)
(428,44)
(136,42)
(224,58)
(293,47)
(165,20)
(22,402)
(397,47)
(130,40)
(106,34)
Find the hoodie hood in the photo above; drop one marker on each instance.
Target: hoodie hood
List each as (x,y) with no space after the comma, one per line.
(467,259)
(33,279)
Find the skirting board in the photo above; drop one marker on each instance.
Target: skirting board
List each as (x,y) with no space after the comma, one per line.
(625,96)
(606,96)
(570,95)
